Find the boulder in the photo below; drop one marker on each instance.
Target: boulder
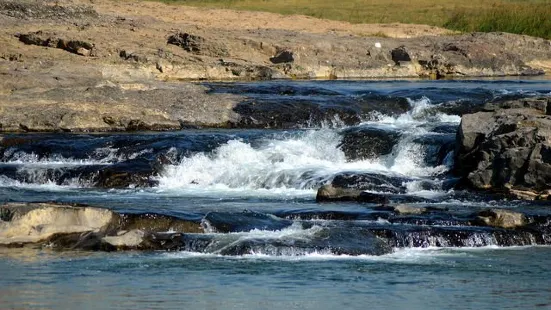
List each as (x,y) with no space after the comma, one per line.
(508,146)
(501,218)
(399,55)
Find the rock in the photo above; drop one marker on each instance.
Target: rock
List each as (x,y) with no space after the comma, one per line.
(331,193)
(34,38)
(74,46)
(62,226)
(282,57)
(226,222)
(506,148)
(152,223)
(131,238)
(292,113)
(149,106)
(129,55)
(130,173)
(367,142)
(399,55)
(386,105)
(38,222)
(45,39)
(336,240)
(502,218)
(83,51)
(436,148)
(403,209)
(198,45)
(538,104)
(370,181)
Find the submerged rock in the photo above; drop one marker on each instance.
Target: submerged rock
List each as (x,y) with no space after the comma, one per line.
(371,182)
(293,113)
(226,222)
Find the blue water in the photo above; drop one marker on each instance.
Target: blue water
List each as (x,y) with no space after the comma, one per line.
(275,171)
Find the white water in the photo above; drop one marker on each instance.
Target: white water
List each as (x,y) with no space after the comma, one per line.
(291,165)
(294,164)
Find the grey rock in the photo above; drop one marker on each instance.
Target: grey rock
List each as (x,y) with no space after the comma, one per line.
(366,142)
(508,147)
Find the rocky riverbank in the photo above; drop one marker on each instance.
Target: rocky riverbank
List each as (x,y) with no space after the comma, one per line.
(116,66)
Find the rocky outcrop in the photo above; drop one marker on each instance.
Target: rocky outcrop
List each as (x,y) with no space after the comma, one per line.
(40,38)
(507,147)
(127,107)
(69,66)
(89,228)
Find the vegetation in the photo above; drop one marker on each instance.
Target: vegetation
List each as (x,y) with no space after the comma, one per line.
(532,17)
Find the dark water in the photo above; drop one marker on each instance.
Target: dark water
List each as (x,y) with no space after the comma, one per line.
(270,245)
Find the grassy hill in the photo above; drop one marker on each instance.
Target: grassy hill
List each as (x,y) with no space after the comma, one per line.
(532,17)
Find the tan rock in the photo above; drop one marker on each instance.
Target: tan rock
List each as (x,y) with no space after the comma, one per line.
(44,220)
(329,192)
(502,218)
(409,210)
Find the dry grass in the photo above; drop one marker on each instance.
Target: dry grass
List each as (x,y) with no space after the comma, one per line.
(454,14)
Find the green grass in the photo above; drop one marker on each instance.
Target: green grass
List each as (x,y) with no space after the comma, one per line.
(532,17)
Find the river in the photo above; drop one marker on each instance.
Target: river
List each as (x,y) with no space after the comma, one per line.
(269,244)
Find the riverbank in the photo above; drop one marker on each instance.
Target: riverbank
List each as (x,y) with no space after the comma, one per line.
(112,66)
